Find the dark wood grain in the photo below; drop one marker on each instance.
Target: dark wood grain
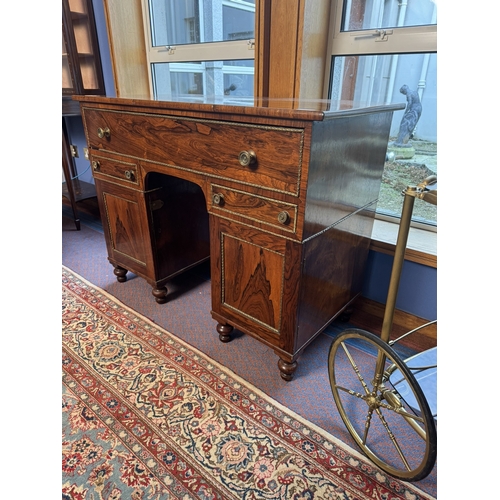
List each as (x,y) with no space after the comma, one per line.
(205,146)
(126,227)
(253,280)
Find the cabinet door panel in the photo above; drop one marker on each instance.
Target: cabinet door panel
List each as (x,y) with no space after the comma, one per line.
(126,227)
(253,281)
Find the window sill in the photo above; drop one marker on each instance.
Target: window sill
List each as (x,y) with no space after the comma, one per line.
(421,247)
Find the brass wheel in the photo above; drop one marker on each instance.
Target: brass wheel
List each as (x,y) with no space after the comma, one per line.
(399,438)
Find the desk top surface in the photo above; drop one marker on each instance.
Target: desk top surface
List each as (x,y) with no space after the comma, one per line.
(307,109)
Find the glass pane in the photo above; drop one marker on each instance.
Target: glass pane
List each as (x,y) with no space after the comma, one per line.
(78,6)
(82,35)
(199,21)
(66,73)
(412,147)
(89,73)
(237,24)
(373,14)
(226,80)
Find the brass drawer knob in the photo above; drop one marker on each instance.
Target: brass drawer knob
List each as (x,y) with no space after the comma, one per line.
(284,217)
(96,166)
(247,158)
(218,199)
(103,132)
(130,175)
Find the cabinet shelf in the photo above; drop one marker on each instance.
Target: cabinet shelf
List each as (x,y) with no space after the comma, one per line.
(79,16)
(82,190)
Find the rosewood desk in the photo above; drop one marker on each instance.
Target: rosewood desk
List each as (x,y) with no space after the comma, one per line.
(281,201)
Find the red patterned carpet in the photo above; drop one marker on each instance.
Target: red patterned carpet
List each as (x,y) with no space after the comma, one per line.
(145,415)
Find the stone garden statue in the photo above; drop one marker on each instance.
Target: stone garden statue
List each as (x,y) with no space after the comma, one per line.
(410,118)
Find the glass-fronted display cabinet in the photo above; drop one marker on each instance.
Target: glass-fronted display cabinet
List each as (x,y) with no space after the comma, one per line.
(81,62)
(81,74)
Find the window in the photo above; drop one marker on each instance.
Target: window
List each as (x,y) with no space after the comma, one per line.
(200,49)
(385,51)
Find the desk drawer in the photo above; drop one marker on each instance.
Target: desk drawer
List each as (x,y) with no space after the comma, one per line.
(257,155)
(274,213)
(107,167)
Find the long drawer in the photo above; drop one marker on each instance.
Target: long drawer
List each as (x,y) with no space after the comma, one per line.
(256,155)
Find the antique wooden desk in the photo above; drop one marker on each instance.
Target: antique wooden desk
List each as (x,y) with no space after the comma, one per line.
(282,202)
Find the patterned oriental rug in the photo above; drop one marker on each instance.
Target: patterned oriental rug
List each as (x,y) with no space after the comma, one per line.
(147,416)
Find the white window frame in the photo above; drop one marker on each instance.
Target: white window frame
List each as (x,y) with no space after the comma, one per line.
(197,52)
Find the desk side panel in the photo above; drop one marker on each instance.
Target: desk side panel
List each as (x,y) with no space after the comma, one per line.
(346,166)
(332,274)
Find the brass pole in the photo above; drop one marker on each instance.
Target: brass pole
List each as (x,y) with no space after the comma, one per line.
(410,193)
(397,266)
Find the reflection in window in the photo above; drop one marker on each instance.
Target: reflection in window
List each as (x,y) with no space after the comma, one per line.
(374,14)
(200,21)
(237,24)
(203,80)
(379,79)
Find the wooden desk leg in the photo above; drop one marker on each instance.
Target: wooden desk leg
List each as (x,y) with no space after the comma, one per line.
(224,332)
(120,273)
(66,162)
(160,294)
(287,369)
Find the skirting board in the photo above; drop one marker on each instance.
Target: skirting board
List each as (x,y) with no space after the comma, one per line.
(368,315)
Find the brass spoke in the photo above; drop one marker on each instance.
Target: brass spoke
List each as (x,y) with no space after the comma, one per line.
(411,418)
(367,425)
(355,368)
(392,437)
(402,411)
(350,391)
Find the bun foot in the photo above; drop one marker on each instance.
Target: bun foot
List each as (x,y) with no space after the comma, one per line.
(121,274)
(224,332)
(287,369)
(345,315)
(160,294)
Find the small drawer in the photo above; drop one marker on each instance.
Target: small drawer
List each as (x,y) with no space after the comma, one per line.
(252,154)
(278,214)
(107,167)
